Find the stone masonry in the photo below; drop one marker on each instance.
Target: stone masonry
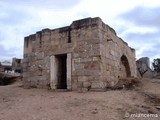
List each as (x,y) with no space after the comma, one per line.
(17,64)
(87,55)
(144,64)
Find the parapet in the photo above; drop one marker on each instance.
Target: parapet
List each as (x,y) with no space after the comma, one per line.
(85,22)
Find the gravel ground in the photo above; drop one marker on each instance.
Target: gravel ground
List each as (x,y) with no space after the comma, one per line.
(17,103)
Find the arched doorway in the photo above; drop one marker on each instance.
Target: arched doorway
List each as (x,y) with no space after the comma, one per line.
(124,67)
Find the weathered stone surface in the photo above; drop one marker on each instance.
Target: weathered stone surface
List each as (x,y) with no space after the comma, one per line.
(98,85)
(80,84)
(87,72)
(85,60)
(74,85)
(79,66)
(41,77)
(25,74)
(143,65)
(33,83)
(95,58)
(31,54)
(82,78)
(40,55)
(94,53)
(26,83)
(25,60)
(84,90)
(86,84)
(85,54)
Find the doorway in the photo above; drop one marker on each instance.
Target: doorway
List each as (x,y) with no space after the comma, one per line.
(125,69)
(62,71)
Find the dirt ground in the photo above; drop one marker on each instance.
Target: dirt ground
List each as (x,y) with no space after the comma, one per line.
(17,103)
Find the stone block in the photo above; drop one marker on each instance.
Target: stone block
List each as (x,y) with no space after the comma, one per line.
(40,55)
(79,49)
(84,90)
(76,55)
(32,54)
(79,66)
(39,72)
(47,60)
(112,52)
(24,65)
(85,59)
(92,66)
(95,46)
(40,62)
(80,84)
(25,60)
(87,72)
(26,84)
(95,85)
(31,69)
(93,78)
(107,55)
(98,85)
(86,84)
(94,53)
(95,58)
(80,42)
(41,78)
(77,59)
(95,41)
(32,78)
(33,83)
(74,86)
(82,78)
(79,90)
(95,72)
(88,47)
(77,73)
(124,51)
(25,70)
(25,74)
(61,51)
(67,45)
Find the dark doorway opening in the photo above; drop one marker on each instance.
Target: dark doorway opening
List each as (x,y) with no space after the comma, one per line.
(62,71)
(125,62)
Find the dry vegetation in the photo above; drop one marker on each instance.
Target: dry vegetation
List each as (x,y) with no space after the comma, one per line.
(138,96)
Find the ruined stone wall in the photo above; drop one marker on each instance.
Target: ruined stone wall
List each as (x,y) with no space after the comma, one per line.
(144,63)
(37,51)
(86,54)
(16,64)
(118,59)
(95,56)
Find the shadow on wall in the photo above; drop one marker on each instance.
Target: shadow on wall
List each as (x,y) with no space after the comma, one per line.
(125,66)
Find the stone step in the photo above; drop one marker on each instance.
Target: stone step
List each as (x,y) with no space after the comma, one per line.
(61,90)
(97,90)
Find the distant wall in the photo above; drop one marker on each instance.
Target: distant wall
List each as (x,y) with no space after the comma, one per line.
(17,64)
(144,63)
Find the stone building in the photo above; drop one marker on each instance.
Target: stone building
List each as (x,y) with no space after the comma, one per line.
(17,64)
(85,55)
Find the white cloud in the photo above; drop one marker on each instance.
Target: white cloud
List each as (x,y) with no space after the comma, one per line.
(139,30)
(38,17)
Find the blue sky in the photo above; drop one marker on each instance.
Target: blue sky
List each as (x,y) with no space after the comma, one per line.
(136,22)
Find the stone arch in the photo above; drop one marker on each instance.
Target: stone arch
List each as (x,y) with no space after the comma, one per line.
(124,68)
